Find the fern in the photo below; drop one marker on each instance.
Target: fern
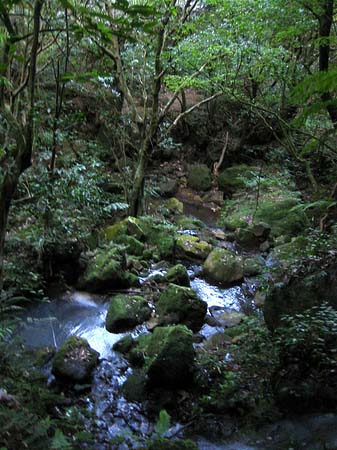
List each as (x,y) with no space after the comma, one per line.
(60,441)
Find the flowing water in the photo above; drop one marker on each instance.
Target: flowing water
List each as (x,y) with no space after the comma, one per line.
(83,314)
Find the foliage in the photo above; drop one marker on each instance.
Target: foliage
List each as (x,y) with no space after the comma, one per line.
(235,373)
(163,423)
(309,338)
(38,417)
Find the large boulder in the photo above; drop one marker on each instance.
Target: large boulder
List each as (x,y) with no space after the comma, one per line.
(107,269)
(178,304)
(199,177)
(191,247)
(311,285)
(125,312)
(169,357)
(224,267)
(75,360)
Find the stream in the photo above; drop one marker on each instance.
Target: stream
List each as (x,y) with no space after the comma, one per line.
(83,314)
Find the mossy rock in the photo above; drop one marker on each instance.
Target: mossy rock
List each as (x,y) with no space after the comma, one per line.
(253,266)
(237,177)
(189,223)
(132,245)
(169,357)
(191,247)
(246,238)
(181,305)
(160,236)
(129,226)
(199,177)
(224,267)
(115,231)
(178,275)
(166,444)
(124,345)
(134,388)
(174,206)
(281,217)
(75,360)
(106,270)
(125,312)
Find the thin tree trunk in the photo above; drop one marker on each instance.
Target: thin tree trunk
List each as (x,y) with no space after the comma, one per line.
(137,192)
(24,136)
(325,24)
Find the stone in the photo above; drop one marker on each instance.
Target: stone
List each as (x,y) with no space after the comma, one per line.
(168,188)
(189,223)
(129,226)
(253,266)
(134,388)
(75,360)
(261,230)
(236,177)
(170,357)
(181,305)
(230,319)
(178,275)
(191,247)
(246,238)
(199,177)
(106,270)
(281,216)
(125,312)
(219,234)
(174,206)
(223,266)
(124,345)
(160,236)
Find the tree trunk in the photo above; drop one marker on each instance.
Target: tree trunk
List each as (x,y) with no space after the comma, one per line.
(23,135)
(325,24)
(137,192)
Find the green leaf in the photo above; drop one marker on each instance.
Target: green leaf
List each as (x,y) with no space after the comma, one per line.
(163,422)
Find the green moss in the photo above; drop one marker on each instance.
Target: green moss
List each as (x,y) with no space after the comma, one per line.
(75,360)
(280,216)
(188,246)
(238,177)
(126,312)
(124,345)
(253,266)
(189,223)
(178,304)
(224,267)
(115,231)
(174,206)
(134,388)
(199,177)
(106,270)
(178,275)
